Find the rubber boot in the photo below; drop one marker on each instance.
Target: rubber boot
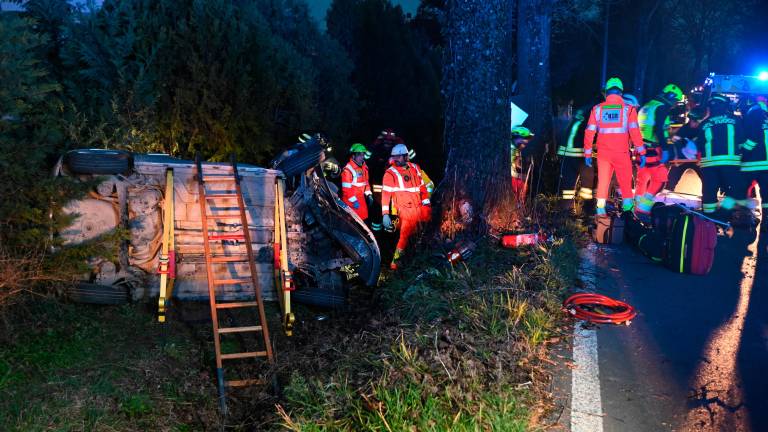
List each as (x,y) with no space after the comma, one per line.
(395,258)
(600,211)
(627,204)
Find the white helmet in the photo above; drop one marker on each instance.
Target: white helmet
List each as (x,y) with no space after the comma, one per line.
(399,150)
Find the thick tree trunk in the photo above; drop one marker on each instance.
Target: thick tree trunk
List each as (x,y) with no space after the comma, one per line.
(534,20)
(476,86)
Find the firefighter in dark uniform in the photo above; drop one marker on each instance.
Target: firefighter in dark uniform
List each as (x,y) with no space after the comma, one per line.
(718,142)
(685,147)
(574,173)
(754,160)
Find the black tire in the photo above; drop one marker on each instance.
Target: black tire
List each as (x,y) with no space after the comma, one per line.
(319,297)
(301,161)
(98,161)
(98,294)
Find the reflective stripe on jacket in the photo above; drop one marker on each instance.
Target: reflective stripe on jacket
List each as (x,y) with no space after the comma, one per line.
(574,140)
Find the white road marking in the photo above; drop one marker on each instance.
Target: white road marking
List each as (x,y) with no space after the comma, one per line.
(586,403)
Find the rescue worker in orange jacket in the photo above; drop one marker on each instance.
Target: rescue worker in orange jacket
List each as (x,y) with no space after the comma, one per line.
(355,187)
(403,188)
(612,125)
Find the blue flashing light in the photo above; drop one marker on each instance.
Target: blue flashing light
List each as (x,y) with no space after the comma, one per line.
(763,76)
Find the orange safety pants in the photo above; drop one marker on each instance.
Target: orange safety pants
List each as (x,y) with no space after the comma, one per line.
(650,180)
(607,163)
(408,227)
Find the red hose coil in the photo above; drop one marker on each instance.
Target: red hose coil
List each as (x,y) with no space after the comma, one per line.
(582,306)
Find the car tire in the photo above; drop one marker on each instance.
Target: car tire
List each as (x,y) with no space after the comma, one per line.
(98,161)
(98,294)
(301,161)
(319,297)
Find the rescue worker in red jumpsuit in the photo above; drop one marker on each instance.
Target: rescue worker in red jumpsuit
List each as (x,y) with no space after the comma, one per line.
(654,123)
(611,126)
(403,189)
(355,188)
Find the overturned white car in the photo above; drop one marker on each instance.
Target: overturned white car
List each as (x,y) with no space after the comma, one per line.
(327,243)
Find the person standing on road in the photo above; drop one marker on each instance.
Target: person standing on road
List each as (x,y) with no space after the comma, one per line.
(403,189)
(754,161)
(719,137)
(654,122)
(574,171)
(685,147)
(355,188)
(612,125)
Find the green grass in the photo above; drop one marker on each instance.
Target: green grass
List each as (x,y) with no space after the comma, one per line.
(402,407)
(95,368)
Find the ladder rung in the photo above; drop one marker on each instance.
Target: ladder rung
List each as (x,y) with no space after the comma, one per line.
(245,382)
(221,195)
(226,237)
(243,355)
(226,259)
(224,216)
(232,281)
(236,305)
(218,179)
(239,329)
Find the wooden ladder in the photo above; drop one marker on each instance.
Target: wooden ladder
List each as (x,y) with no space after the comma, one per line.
(212,235)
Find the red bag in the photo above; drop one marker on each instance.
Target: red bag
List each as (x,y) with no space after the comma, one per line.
(691,247)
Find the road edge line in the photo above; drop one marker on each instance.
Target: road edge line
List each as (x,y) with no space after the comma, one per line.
(586,399)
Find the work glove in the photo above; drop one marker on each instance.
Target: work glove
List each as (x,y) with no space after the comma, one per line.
(588,161)
(369,200)
(356,205)
(664,156)
(642,161)
(425,213)
(387,222)
(690,150)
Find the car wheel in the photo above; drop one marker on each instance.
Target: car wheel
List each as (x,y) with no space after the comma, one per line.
(319,297)
(98,294)
(301,161)
(98,161)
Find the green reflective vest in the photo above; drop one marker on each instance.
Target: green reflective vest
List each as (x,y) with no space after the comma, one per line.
(646,117)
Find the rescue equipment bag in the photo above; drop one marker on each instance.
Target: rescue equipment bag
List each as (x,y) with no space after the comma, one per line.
(609,229)
(648,240)
(691,244)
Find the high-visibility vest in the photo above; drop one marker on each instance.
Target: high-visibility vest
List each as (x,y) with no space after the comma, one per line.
(646,117)
(404,188)
(354,187)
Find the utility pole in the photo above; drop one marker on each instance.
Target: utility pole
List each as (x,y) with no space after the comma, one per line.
(603,75)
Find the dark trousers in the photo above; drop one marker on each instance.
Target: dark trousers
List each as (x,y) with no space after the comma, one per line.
(728,179)
(676,172)
(574,173)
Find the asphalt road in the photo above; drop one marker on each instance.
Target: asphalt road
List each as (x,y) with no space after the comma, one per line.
(696,357)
